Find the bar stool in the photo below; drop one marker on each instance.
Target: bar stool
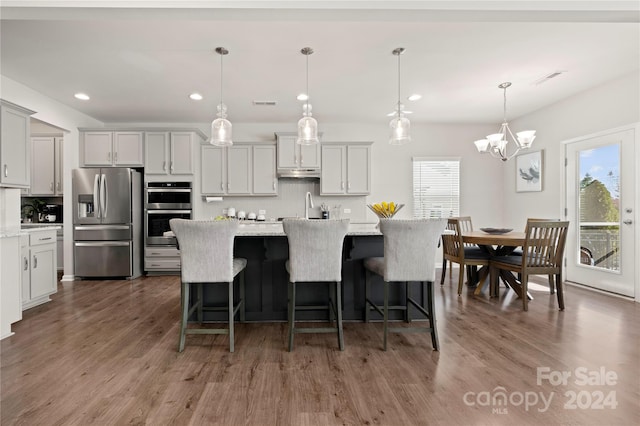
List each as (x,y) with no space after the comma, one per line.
(206,257)
(315,255)
(409,255)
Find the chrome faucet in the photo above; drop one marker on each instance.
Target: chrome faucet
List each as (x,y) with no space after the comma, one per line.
(308,203)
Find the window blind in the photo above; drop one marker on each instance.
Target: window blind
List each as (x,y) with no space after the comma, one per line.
(436,187)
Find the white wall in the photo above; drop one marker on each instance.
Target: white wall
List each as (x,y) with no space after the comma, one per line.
(64,117)
(610,105)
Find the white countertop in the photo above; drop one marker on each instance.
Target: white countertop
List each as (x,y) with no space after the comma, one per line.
(15,231)
(267,229)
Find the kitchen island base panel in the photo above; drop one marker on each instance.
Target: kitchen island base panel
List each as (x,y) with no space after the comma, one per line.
(266,282)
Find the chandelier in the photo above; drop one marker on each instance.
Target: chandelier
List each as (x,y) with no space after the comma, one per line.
(307,125)
(400,125)
(221,127)
(497,144)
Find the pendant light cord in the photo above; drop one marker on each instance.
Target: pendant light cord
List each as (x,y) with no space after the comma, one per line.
(307,109)
(398,85)
(221,69)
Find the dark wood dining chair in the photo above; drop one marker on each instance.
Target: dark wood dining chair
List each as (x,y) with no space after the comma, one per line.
(468,256)
(206,257)
(542,254)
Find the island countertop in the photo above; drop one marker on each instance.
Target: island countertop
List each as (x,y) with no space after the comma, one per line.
(274,229)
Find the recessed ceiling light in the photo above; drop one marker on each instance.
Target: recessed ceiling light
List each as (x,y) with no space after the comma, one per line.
(82,96)
(392,113)
(302,97)
(196,96)
(415,97)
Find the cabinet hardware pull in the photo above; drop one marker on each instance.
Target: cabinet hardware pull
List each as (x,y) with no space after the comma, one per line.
(349,185)
(164,166)
(26,263)
(58,185)
(108,156)
(115,157)
(51,186)
(274,184)
(171,166)
(35,261)
(341,185)
(44,239)
(627,222)
(6,171)
(222,186)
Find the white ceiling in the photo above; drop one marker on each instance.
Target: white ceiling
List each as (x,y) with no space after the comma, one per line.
(139,63)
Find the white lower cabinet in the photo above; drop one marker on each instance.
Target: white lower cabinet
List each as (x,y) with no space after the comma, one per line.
(161,259)
(39,261)
(10,311)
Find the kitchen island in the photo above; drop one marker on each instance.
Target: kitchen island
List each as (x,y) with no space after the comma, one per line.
(265,246)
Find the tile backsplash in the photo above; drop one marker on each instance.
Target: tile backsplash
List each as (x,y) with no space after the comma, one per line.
(288,203)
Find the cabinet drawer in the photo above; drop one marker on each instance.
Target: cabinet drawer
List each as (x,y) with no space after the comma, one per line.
(166,264)
(161,252)
(43,237)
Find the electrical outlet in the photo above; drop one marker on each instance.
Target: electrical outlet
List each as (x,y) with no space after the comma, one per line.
(347,211)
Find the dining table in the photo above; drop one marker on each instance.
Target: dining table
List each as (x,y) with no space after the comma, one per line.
(497,244)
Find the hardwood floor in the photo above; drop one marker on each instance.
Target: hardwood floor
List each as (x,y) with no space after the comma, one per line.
(104,352)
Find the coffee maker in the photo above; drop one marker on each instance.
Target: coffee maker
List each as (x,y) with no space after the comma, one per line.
(52,213)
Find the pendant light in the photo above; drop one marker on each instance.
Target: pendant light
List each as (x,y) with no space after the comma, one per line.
(399,125)
(307,125)
(221,127)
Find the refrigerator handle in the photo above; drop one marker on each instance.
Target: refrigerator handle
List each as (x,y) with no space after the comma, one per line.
(96,190)
(103,195)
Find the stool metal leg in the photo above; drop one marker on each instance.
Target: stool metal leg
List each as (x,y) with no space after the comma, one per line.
(407,318)
(432,316)
(200,302)
(339,314)
(242,301)
(386,313)
(185,311)
(231,333)
(367,278)
(292,312)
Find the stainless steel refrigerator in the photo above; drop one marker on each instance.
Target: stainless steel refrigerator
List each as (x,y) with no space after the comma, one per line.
(107,222)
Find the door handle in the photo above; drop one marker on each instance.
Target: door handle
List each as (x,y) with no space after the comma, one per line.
(627,222)
(35,262)
(26,263)
(6,171)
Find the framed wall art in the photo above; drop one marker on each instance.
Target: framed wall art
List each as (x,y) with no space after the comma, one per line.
(529,172)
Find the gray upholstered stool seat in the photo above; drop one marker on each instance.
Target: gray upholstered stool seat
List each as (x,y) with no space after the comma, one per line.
(409,255)
(206,256)
(315,255)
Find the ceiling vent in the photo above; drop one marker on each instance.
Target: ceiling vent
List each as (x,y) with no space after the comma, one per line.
(548,77)
(265,103)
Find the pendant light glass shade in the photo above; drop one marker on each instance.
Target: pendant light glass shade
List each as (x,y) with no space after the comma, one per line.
(307,125)
(399,125)
(221,128)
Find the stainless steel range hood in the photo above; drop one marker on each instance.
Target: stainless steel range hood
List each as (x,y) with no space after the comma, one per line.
(299,173)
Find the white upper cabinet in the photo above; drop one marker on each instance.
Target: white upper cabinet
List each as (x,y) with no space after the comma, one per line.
(46,166)
(265,181)
(346,168)
(169,153)
(107,148)
(242,169)
(15,145)
(292,156)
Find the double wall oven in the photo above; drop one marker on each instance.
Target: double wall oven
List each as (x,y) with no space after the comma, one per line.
(164,201)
